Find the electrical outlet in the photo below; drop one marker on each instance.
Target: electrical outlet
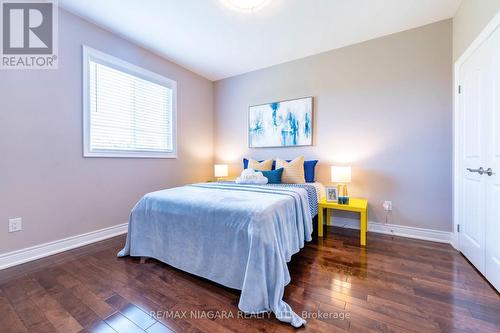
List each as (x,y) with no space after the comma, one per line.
(15,224)
(387,206)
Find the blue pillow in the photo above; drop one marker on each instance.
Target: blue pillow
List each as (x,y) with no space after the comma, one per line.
(273,176)
(309,167)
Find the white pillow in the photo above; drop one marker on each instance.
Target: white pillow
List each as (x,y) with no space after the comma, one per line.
(250,176)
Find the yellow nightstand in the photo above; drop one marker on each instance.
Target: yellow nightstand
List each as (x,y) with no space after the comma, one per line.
(355,205)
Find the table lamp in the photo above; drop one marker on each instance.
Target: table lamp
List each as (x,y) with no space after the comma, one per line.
(220,171)
(342,176)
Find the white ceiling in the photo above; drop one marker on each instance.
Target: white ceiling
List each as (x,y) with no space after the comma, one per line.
(217,42)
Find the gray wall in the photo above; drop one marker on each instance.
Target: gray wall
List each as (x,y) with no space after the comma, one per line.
(383,106)
(43,177)
(470,19)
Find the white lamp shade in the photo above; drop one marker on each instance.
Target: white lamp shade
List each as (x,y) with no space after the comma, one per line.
(221,170)
(341,174)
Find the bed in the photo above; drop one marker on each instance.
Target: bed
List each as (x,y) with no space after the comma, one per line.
(240,236)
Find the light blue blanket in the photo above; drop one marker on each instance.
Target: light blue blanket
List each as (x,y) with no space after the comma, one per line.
(240,236)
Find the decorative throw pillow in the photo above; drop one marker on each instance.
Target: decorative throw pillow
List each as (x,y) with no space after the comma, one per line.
(309,170)
(256,165)
(274,176)
(245,163)
(293,172)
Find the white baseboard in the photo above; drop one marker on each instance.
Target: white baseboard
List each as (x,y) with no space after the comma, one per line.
(397,230)
(18,257)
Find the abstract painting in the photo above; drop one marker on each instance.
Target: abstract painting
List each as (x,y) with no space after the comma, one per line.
(281,124)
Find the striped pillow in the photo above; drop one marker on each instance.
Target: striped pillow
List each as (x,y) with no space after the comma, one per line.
(293,172)
(266,165)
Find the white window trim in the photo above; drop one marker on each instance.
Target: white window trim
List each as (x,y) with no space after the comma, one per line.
(108,60)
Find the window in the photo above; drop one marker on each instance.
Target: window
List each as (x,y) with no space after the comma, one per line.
(128,111)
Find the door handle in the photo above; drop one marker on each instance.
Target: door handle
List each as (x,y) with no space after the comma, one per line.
(479,171)
(489,172)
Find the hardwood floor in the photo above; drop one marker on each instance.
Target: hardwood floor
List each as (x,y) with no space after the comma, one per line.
(394,285)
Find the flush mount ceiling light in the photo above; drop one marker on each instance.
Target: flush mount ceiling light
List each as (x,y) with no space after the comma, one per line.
(248,6)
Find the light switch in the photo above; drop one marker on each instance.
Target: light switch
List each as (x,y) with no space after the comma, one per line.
(15,224)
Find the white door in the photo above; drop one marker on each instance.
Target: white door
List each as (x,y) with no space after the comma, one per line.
(473,103)
(492,257)
(479,158)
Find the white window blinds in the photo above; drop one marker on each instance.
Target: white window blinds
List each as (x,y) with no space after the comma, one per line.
(128,114)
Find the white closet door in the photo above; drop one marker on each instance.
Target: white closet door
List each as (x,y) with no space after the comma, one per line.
(473,109)
(492,258)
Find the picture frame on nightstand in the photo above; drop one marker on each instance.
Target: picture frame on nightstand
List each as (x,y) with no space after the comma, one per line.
(332,194)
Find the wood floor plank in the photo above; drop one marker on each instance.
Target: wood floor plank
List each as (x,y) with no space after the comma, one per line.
(11,321)
(53,311)
(132,312)
(31,315)
(392,285)
(159,328)
(99,285)
(101,308)
(72,303)
(101,327)
(121,324)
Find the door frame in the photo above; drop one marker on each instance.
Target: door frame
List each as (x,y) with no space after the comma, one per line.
(478,41)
